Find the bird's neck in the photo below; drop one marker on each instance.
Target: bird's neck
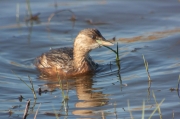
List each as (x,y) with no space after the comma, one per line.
(80,57)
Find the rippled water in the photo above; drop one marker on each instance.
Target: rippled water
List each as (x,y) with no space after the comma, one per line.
(145,27)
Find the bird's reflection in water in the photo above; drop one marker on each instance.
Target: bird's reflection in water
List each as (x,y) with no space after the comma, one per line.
(88,96)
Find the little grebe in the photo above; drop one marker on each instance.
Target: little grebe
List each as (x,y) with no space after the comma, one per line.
(72,61)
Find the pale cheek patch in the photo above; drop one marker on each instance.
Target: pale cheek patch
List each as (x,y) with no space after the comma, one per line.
(85,43)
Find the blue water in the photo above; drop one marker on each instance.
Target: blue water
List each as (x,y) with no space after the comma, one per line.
(99,95)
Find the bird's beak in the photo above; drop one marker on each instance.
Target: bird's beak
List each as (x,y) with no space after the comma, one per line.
(103,41)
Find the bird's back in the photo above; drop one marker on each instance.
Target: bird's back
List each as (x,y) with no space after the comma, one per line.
(57,59)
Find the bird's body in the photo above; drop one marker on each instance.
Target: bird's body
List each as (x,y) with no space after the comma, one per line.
(72,61)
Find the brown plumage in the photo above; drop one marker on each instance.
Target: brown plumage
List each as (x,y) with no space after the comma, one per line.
(72,61)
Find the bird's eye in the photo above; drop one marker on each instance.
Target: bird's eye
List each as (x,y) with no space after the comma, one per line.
(93,36)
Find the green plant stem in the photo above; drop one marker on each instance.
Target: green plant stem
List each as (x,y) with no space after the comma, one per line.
(147,69)
(30,80)
(31,88)
(116,52)
(21,80)
(61,87)
(65,98)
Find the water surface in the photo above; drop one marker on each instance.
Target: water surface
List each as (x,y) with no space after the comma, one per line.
(145,27)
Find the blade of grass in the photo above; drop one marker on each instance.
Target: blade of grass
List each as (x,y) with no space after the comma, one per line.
(17,12)
(34,93)
(61,87)
(147,69)
(159,110)
(21,80)
(55,112)
(65,98)
(143,109)
(31,88)
(173,114)
(29,8)
(37,111)
(115,112)
(130,110)
(117,54)
(156,108)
